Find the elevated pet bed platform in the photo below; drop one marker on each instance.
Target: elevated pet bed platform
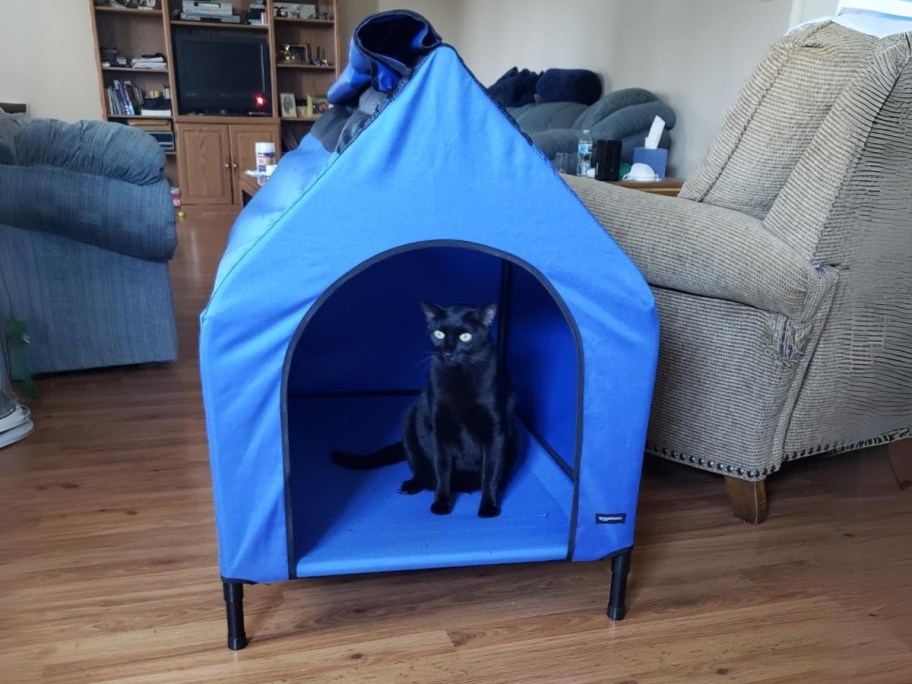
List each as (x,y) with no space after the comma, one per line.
(313,339)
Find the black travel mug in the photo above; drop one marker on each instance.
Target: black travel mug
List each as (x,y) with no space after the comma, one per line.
(607,160)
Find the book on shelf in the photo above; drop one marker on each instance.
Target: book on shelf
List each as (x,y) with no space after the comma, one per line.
(124,99)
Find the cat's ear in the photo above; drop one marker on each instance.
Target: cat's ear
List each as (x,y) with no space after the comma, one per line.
(432,312)
(486,314)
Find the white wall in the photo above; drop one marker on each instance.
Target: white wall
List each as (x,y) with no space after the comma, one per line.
(47,58)
(805,10)
(443,14)
(695,55)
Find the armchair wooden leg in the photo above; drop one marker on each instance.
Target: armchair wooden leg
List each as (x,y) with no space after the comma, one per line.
(899,453)
(748,499)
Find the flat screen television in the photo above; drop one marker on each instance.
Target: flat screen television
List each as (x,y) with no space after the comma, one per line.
(222,71)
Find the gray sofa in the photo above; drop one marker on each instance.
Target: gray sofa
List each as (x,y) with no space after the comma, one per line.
(624,115)
(783,271)
(86,231)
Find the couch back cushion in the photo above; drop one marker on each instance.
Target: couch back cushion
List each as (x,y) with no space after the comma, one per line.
(10,124)
(95,147)
(543,117)
(612,103)
(777,114)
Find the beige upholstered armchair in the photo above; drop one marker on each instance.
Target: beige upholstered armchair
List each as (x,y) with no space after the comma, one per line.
(783,271)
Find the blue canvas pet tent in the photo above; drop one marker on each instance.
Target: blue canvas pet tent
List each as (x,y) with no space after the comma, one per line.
(313,339)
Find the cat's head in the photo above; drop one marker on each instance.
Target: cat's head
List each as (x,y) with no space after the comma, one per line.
(459,333)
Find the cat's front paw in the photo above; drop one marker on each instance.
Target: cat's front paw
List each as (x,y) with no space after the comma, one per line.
(412,486)
(442,507)
(488,509)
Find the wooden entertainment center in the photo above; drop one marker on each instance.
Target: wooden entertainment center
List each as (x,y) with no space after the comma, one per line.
(212,151)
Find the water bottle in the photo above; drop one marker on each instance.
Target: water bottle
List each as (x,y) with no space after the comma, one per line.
(584,152)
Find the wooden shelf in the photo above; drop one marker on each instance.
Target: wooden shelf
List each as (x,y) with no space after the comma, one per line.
(126,117)
(136,71)
(325,23)
(307,67)
(199,163)
(224,120)
(127,10)
(218,24)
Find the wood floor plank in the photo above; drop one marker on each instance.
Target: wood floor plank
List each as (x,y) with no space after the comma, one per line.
(108,563)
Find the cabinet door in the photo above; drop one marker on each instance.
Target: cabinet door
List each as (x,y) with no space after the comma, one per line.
(204,163)
(243,149)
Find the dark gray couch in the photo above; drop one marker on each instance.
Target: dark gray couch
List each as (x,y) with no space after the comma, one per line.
(86,231)
(624,115)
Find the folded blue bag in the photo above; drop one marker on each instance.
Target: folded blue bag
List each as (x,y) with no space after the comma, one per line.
(384,48)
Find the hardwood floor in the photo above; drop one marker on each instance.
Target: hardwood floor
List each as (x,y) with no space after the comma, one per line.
(109,573)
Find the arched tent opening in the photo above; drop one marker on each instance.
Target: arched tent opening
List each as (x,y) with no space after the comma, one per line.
(360,357)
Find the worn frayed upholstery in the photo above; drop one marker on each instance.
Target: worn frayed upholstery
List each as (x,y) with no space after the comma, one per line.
(783,273)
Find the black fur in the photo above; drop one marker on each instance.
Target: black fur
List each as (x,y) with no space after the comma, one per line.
(459,435)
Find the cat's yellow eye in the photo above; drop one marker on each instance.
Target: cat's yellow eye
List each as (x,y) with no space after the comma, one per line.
(465,337)
(439,334)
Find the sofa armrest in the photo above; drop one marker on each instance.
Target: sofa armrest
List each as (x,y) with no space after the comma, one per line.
(701,249)
(136,220)
(99,148)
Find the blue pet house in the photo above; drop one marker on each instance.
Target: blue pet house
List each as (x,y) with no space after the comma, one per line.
(313,339)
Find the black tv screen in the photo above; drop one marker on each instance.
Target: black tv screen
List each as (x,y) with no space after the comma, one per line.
(222,71)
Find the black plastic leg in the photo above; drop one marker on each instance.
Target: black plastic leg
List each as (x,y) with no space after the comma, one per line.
(620,567)
(234,611)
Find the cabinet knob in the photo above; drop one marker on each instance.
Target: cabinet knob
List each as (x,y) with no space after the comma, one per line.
(227,167)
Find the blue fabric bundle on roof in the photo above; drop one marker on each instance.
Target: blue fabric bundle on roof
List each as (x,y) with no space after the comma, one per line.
(313,339)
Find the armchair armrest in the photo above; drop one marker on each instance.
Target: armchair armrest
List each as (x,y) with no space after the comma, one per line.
(98,148)
(701,249)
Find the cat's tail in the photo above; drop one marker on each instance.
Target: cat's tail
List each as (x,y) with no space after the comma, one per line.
(388,455)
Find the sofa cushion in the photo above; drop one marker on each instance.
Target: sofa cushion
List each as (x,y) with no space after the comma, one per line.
(614,102)
(544,117)
(95,147)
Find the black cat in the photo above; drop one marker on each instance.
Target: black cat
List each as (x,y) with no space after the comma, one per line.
(459,435)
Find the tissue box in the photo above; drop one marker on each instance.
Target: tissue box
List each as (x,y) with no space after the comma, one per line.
(656,159)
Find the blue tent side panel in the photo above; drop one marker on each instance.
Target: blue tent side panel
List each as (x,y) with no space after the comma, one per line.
(440,163)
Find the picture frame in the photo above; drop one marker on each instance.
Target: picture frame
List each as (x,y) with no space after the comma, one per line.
(287,106)
(318,104)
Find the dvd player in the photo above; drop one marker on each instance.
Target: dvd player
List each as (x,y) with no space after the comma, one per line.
(211,18)
(208,8)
